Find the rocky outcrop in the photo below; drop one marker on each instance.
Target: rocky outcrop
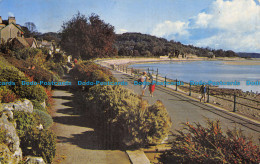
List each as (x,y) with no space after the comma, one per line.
(34,160)
(10,151)
(25,106)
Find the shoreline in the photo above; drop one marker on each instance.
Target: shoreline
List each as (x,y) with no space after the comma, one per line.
(130,61)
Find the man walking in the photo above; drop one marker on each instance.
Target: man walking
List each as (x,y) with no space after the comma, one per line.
(203,91)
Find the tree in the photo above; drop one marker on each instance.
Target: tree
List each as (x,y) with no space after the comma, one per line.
(88,37)
(31,27)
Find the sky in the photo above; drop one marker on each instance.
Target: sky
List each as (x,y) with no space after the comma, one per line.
(218,24)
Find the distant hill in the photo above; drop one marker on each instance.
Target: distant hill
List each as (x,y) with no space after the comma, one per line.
(249,55)
(137,44)
(49,36)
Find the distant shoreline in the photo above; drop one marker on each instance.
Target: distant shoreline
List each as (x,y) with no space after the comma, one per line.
(128,61)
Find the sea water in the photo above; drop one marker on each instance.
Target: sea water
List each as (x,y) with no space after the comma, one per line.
(248,76)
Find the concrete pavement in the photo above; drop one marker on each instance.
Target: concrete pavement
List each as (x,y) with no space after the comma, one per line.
(77,140)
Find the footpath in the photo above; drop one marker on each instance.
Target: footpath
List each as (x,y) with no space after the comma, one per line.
(77,142)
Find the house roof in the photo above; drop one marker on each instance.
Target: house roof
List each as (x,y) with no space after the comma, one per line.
(23,41)
(30,41)
(17,26)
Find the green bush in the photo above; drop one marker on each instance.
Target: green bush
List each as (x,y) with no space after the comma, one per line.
(198,144)
(45,118)
(37,105)
(33,141)
(39,143)
(126,117)
(89,71)
(26,53)
(25,121)
(38,93)
(33,92)
(6,95)
(38,73)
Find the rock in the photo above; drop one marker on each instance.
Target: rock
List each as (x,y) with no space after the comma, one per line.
(12,139)
(40,127)
(43,104)
(5,153)
(9,114)
(34,160)
(18,155)
(25,106)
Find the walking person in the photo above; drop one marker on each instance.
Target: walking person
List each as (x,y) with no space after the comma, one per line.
(144,79)
(151,86)
(203,91)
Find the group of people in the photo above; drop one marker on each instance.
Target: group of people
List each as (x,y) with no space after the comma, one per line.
(145,79)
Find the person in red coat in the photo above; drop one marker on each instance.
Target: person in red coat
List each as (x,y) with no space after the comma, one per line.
(151,86)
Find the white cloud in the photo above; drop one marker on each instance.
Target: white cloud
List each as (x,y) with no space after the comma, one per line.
(230,24)
(203,19)
(10,14)
(237,25)
(168,28)
(121,31)
(229,40)
(236,15)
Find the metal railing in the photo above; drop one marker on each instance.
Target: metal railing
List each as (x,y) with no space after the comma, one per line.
(189,89)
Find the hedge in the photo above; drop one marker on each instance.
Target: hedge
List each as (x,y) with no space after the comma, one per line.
(126,118)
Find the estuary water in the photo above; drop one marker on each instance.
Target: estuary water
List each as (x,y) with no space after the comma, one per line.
(247,77)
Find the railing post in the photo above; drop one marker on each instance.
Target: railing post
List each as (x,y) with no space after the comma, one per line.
(148,70)
(208,95)
(176,85)
(157,76)
(190,90)
(126,69)
(152,71)
(234,110)
(165,82)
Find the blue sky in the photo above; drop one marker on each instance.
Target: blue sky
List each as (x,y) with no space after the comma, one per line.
(225,24)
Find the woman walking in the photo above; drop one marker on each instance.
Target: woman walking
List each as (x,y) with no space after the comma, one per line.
(144,79)
(151,86)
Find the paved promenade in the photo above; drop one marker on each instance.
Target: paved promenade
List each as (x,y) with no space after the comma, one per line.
(77,140)
(183,108)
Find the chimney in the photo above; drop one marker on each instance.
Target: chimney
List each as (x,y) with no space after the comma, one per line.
(11,20)
(1,21)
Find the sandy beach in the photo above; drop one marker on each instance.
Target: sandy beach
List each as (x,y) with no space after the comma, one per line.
(120,61)
(243,62)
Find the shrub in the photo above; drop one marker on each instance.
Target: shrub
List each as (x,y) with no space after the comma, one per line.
(26,53)
(37,105)
(59,58)
(45,118)
(10,73)
(55,68)
(50,100)
(126,117)
(198,144)
(25,121)
(89,71)
(33,141)
(38,93)
(7,95)
(39,143)
(38,73)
